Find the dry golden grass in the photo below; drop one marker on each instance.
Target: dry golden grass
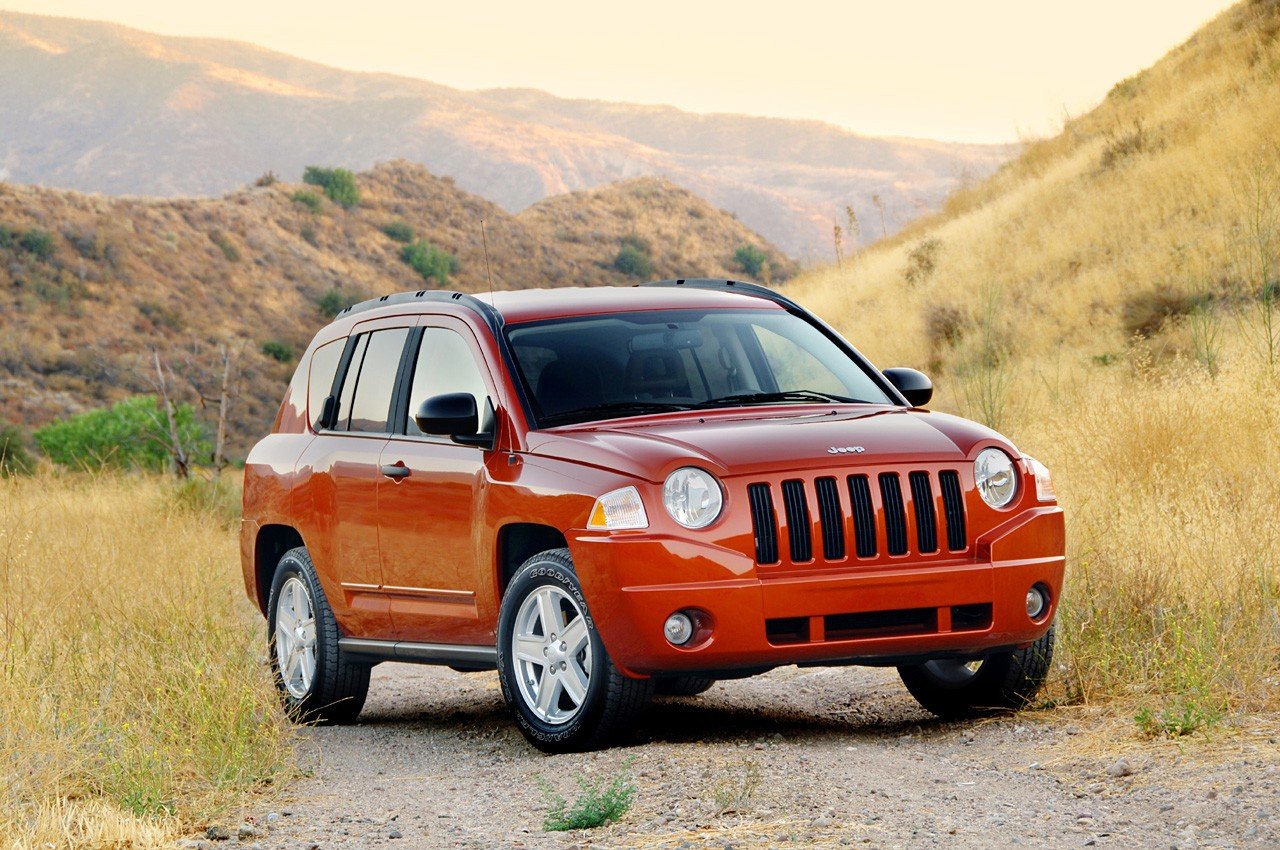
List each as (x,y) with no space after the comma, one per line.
(133,689)
(1159,210)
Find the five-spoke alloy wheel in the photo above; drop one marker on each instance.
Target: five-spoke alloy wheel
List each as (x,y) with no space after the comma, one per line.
(317,682)
(557,678)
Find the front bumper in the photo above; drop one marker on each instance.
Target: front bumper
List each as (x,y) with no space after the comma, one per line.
(869,614)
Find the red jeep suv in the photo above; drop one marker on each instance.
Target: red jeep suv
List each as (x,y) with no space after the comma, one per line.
(612,492)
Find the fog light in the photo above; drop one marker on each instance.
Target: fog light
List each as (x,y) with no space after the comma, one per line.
(678,628)
(1037,602)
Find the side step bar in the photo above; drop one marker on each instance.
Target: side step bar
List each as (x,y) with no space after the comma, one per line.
(454,655)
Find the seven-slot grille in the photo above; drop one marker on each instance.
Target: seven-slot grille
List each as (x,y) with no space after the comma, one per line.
(934,510)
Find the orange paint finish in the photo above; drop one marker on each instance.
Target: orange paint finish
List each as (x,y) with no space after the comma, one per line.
(419,556)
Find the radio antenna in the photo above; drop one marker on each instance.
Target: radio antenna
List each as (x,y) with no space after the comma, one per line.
(484,236)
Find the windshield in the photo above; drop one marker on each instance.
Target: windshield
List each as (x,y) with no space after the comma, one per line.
(624,364)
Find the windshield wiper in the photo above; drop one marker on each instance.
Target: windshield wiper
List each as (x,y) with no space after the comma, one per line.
(808,396)
(621,408)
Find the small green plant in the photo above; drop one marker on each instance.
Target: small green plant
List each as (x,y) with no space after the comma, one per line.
(36,242)
(15,459)
(131,434)
(1185,718)
(750,259)
(597,803)
(338,183)
(334,302)
(226,246)
(277,350)
(8,237)
(399,231)
(632,261)
(430,262)
(306,198)
(732,793)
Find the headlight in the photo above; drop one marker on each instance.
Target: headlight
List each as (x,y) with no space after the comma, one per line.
(996,477)
(692,497)
(1044,483)
(619,509)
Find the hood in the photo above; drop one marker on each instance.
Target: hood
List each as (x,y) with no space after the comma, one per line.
(766,440)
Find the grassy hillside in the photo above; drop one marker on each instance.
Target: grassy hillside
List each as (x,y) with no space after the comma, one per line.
(103,108)
(89,284)
(1109,300)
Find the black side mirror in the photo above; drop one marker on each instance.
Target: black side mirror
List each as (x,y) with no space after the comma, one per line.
(453,415)
(915,386)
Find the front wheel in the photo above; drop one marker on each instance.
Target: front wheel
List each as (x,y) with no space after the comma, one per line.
(1004,681)
(559,683)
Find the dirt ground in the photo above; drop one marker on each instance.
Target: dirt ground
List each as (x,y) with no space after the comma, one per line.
(795,758)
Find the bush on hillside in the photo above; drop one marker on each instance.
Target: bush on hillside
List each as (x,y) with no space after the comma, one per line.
(15,458)
(334,302)
(400,231)
(430,262)
(922,260)
(131,434)
(8,237)
(750,259)
(1146,313)
(278,350)
(631,261)
(37,242)
(338,183)
(310,200)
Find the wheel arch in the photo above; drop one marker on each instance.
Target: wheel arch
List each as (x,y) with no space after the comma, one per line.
(520,541)
(272,542)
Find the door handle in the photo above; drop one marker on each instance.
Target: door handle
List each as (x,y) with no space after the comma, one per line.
(395,470)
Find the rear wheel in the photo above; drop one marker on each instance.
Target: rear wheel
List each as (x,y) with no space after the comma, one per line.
(317,682)
(1005,681)
(682,686)
(559,683)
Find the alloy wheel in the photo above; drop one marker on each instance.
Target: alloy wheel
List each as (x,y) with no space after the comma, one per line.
(295,638)
(551,647)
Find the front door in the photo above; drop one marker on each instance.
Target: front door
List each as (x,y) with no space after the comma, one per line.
(429,533)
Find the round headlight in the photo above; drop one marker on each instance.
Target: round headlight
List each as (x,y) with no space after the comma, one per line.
(692,496)
(996,478)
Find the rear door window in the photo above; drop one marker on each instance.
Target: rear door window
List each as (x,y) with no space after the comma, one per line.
(365,401)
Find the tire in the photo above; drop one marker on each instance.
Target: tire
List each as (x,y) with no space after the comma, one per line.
(588,703)
(335,690)
(1005,681)
(682,686)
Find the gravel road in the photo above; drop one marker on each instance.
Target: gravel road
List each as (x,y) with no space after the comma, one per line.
(795,758)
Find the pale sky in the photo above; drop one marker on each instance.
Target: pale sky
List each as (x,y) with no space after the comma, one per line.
(983,70)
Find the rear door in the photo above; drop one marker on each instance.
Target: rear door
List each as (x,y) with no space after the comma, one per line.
(347,454)
(429,532)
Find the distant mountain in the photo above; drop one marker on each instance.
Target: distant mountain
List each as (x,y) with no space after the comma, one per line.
(103,108)
(90,284)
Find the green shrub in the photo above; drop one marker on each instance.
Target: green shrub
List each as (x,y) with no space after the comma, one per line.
(310,200)
(750,259)
(596,805)
(430,262)
(37,242)
(15,458)
(632,261)
(8,237)
(131,434)
(400,231)
(338,183)
(228,248)
(334,302)
(277,350)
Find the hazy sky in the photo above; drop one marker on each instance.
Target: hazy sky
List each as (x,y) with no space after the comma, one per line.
(983,70)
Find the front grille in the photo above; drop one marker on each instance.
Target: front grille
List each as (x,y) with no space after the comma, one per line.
(895,514)
(799,528)
(873,520)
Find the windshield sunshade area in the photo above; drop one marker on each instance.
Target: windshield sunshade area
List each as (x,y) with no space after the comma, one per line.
(591,368)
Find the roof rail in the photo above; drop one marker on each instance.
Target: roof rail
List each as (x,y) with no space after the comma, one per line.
(491,316)
(745,287)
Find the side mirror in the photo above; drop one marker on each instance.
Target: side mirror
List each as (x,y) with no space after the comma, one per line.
(453,415)
(915,386)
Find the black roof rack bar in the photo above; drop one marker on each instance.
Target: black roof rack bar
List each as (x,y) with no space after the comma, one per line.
(743,286)
(491,316)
